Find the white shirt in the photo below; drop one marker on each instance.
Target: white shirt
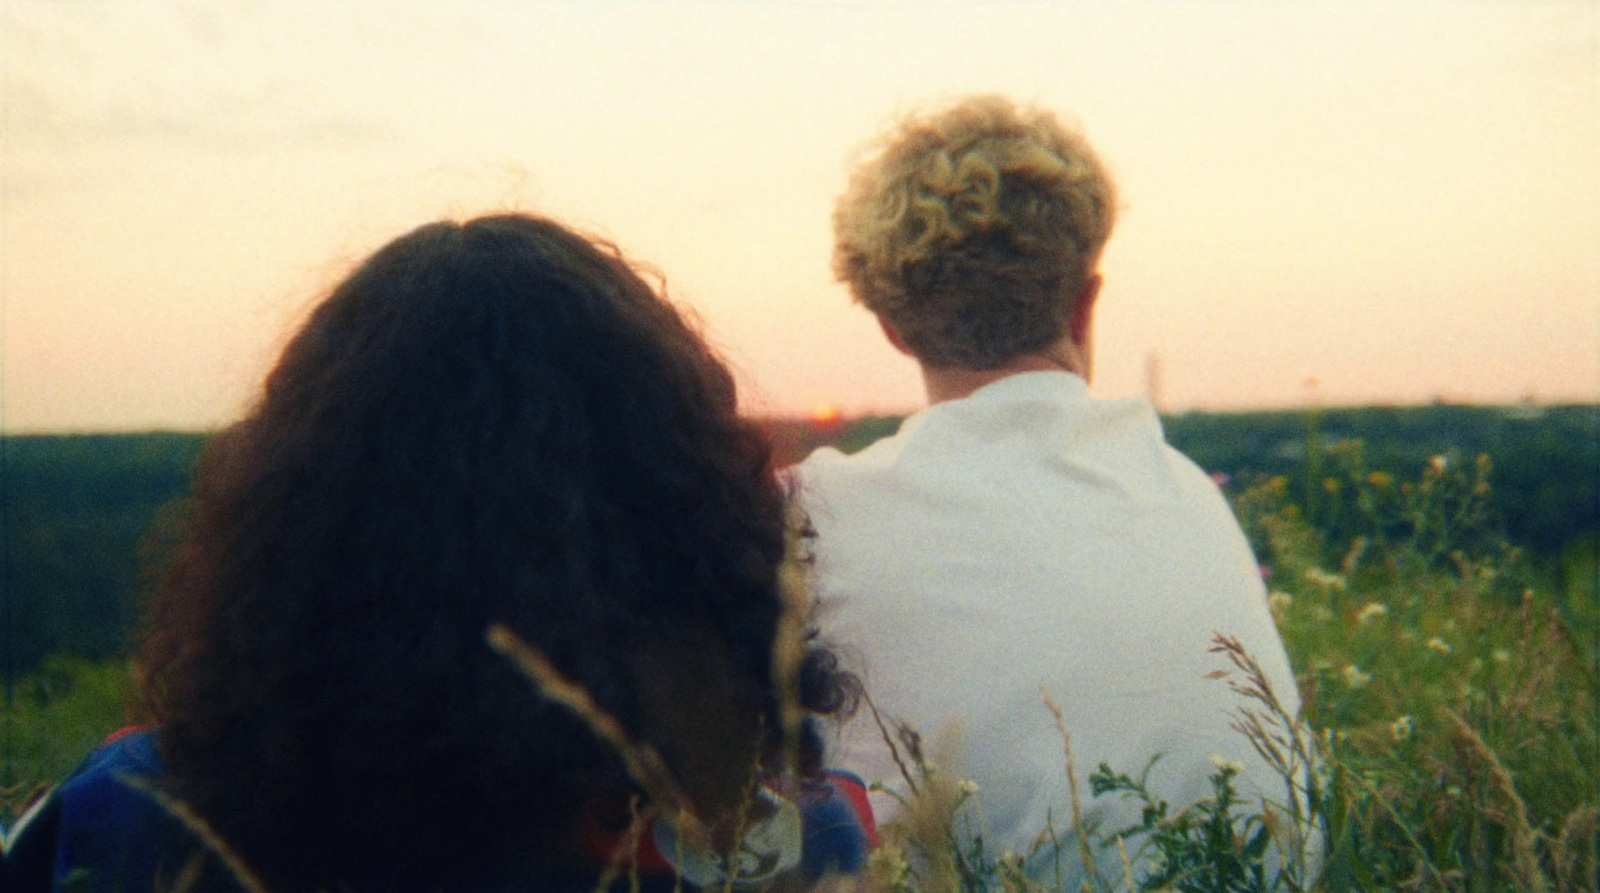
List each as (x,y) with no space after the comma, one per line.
(1030,536)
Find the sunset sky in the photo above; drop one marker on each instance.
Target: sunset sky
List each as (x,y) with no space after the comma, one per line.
(1330,202)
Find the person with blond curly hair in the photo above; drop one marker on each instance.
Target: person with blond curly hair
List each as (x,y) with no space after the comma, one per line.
(1019,534)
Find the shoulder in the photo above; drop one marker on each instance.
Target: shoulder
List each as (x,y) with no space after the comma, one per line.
(829,474)
(114,783)
(839,831)
(129,751)
(105,823)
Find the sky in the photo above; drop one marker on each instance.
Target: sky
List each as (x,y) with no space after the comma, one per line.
(1330,203)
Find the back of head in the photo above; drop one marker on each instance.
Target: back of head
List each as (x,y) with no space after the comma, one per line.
(490,422)
(972,229)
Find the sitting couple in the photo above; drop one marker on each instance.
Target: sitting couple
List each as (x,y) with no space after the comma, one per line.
(500,424)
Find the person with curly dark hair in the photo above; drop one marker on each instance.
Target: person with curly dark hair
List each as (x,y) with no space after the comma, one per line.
(495,423)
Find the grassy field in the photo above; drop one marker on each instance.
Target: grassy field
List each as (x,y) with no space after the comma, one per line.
(1450,714)
(57,715)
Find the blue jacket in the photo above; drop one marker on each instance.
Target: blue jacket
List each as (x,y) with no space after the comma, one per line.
(99,832)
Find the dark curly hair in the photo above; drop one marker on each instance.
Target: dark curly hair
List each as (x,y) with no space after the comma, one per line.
(489,422)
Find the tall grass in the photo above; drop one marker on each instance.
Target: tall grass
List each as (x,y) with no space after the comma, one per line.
(1448,739)
(1455,701)
(1449,722)
(57,714)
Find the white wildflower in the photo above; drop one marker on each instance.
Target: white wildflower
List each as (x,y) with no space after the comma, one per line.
(1401,728)
(1354,677)
(969,787)
(1226,764)
(890,861)
(1501,656)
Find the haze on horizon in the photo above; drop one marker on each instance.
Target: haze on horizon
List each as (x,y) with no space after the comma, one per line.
(1336,202)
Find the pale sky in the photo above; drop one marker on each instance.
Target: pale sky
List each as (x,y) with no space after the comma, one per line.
(1399,201)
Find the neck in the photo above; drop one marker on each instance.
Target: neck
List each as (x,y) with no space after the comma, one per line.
(954,383)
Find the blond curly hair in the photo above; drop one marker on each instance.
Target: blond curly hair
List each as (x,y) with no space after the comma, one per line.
(973,229)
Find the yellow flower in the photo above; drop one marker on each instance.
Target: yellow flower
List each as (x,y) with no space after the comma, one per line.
(1438,644)
(1324,579)
(1372,609)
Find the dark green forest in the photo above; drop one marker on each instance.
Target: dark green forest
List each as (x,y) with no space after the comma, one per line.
(78,516)
(1546,460)
(84,517)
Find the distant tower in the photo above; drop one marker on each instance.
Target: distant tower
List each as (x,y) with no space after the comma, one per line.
(1152,379)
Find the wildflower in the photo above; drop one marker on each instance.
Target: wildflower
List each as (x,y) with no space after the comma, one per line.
(1278,602)
(1221,478)
(889,862)
(1372,609)
(969,787)
(1438,644)
(1501,656)
(1354,677)
(1227,765)
(1401,728)
(1439,463)
(1380,479)
(1320,577)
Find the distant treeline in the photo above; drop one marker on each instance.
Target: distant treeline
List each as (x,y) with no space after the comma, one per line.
(83,517)
(75,512)
(1546,458)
